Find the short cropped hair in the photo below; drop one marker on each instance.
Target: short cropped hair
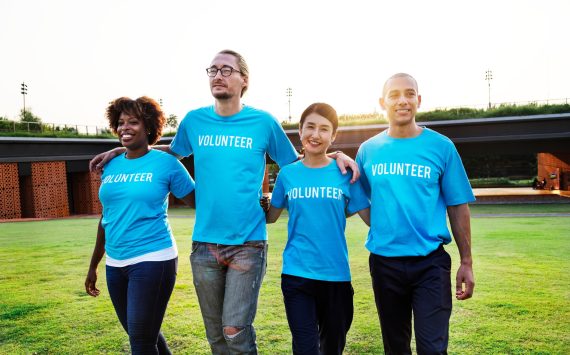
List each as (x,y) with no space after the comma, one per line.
(399,75)
(321,109)
(144,108)
(242,66)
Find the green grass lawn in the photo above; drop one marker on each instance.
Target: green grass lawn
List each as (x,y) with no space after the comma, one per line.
(521,303)
(519,208)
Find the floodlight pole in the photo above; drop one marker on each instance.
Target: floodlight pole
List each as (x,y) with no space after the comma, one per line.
(24,91)
(489,77)
(289,93)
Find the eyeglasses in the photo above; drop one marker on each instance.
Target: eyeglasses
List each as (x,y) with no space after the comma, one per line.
(226,71)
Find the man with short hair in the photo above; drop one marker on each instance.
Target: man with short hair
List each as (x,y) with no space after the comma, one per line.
(412,176)
(229,142)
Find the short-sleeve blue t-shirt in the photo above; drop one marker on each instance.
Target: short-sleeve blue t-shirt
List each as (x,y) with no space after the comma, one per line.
(411,181)
(317,200)
(229,162)
(134,195)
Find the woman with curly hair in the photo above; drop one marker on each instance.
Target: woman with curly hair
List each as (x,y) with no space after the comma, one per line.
(142,257)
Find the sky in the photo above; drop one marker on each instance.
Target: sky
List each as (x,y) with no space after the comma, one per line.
(77,56)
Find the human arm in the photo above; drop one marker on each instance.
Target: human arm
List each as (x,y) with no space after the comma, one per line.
(98,252)
(190,199)
(273,214)
(98,162)
(459,219)
(365,215)
(345,162)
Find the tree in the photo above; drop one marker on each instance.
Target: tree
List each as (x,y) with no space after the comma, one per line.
(28,116)
(172,121)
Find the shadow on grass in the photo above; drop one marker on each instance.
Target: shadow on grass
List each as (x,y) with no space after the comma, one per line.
(19,311)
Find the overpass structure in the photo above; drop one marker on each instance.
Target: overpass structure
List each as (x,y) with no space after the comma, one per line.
(504,135)
(49,177)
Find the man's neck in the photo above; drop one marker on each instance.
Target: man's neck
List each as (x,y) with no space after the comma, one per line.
(407,131)
(227,107)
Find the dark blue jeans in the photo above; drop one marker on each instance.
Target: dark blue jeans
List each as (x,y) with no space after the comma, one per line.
(319,314)
(419,285)
(140,294)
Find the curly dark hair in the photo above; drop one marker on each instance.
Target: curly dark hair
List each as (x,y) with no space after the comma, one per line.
(144,108)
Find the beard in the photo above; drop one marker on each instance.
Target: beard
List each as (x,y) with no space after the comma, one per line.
(222,96)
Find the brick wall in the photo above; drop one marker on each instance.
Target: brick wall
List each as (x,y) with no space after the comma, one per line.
(557,164)
(47,189)
(85,188)
(9,191)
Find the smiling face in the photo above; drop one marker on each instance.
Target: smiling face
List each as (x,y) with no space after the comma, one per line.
(225,88)
(317,134)
(132,132)
(400,100)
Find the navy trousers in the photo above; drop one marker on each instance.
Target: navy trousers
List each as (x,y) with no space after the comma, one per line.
(140,294)
(413,285)
(319,314)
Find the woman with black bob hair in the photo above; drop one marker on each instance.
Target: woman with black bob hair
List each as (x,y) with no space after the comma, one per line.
(315,278)
(142,257)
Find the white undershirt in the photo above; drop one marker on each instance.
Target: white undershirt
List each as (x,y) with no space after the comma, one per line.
(159,255)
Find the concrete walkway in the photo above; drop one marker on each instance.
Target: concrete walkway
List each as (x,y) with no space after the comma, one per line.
(518,191)
(524,195)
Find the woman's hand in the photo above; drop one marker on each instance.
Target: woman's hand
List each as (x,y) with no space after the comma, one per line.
(90,282)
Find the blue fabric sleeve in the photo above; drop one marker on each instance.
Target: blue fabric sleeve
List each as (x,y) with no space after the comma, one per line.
(181,183)
(280,148)
(363,180)
(358,199)
(278,195)
(455,185)
(180,145)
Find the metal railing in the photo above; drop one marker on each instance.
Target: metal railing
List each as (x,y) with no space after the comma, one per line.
(37,127)
(56,128)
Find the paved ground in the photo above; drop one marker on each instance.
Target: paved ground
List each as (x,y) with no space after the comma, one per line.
(518,191)
(484,196)
(520,195)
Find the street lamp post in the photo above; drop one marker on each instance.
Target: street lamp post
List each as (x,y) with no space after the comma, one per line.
(489,77)
(24,92)
(289,93)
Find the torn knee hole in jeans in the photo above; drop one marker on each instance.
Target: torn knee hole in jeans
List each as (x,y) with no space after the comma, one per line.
(232,332)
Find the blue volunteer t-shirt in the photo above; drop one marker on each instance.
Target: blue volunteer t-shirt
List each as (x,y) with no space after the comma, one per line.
(411,181)
(317,199)
(229,160)
(134,195)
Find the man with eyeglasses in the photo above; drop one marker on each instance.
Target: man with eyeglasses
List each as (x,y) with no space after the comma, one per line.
(413,175)
(229,249)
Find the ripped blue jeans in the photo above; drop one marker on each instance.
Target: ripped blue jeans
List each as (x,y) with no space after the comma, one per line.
(227,279)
